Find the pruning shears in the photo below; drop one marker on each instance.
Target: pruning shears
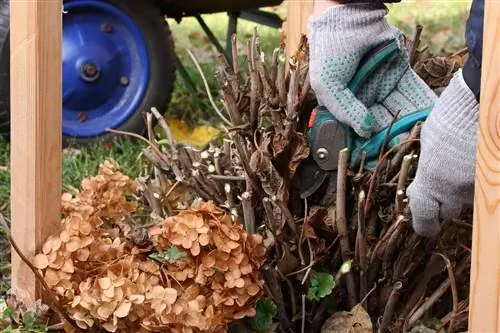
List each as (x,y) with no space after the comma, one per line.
(327,136)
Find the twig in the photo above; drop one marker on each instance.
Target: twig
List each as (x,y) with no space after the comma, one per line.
(234,48)
(227,178)
(254,82)
(380,160)
(361,241)
(342,222)
(390,307)
(303,328)
(415,44)
(281,80)
(159,177)
(454,292)
(432,268)
(168,132)
(52,299)
(291,290)
(463,308)
(248,213)
(431,300)
(207,88)
(392,245)
(311,260)
(377,170)
(403,177)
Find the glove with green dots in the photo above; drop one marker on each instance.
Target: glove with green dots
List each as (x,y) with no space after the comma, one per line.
(338,40)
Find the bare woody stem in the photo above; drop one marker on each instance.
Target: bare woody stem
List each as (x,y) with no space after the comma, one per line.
(342,222)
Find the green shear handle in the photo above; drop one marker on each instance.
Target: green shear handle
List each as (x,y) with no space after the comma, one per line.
(323,122)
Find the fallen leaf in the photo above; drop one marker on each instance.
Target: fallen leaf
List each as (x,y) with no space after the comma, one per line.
(355,321)
(198,137)
(288,262)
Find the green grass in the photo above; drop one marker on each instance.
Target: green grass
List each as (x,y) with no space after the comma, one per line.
(79,163)
(443,22)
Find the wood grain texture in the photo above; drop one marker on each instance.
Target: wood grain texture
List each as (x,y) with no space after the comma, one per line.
(296,23)
(484,315)
(36,104)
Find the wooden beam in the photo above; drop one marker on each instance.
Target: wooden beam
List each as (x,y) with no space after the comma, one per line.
(484,308)
(36,104)
(296,23)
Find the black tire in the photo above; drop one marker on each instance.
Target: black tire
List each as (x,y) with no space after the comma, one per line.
(160,43)
(4,70)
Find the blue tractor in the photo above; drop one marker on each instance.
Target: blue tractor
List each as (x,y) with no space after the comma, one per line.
(119,59)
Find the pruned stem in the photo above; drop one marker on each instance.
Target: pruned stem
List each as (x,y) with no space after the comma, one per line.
(342,222)
(361,241)
(248,213)
(403,177)
(390,307)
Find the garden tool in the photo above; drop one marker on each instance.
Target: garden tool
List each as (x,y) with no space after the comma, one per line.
(327,136)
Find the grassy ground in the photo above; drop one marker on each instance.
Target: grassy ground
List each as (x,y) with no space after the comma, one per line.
(443,23)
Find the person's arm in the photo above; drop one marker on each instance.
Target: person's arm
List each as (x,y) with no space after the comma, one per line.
(320,6)
(444,183)
(338,39)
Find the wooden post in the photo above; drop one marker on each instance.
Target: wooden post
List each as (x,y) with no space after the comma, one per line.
(36,104)
(484,308)
(296,23)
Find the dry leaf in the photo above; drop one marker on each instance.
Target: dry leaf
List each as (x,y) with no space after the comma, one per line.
(355,321)
(300,153)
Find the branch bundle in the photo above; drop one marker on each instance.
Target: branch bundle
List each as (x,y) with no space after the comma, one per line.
(396,276)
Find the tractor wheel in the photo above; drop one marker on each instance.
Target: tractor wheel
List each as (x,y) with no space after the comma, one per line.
(118,62)
(4,70)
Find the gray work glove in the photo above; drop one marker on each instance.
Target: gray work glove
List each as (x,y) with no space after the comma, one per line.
(338,40)
(444,182)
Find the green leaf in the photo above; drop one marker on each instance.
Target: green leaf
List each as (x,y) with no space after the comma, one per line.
(170,255)
(174,254)
(29,318)
(321,285)
(266,310)
(7,312)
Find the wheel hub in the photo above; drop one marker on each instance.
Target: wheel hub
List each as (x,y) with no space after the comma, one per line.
(89,71)
(102,48)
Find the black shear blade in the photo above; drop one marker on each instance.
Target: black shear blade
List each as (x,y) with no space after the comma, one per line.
(311,177)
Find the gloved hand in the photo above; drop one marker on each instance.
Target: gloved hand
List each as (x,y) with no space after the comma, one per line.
(444,182)
(338,41)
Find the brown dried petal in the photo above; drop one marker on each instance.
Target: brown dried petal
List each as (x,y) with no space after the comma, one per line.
(83,254)
(68,266)
(239,283)
(41,261)
(170,295)
(110,327)
(195,249)
(85,227)
(253,289)
(73,244)
(64,236)
(106,310)
(137,299)
(105,283)
(204,239)
(51,277)
(123,309)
